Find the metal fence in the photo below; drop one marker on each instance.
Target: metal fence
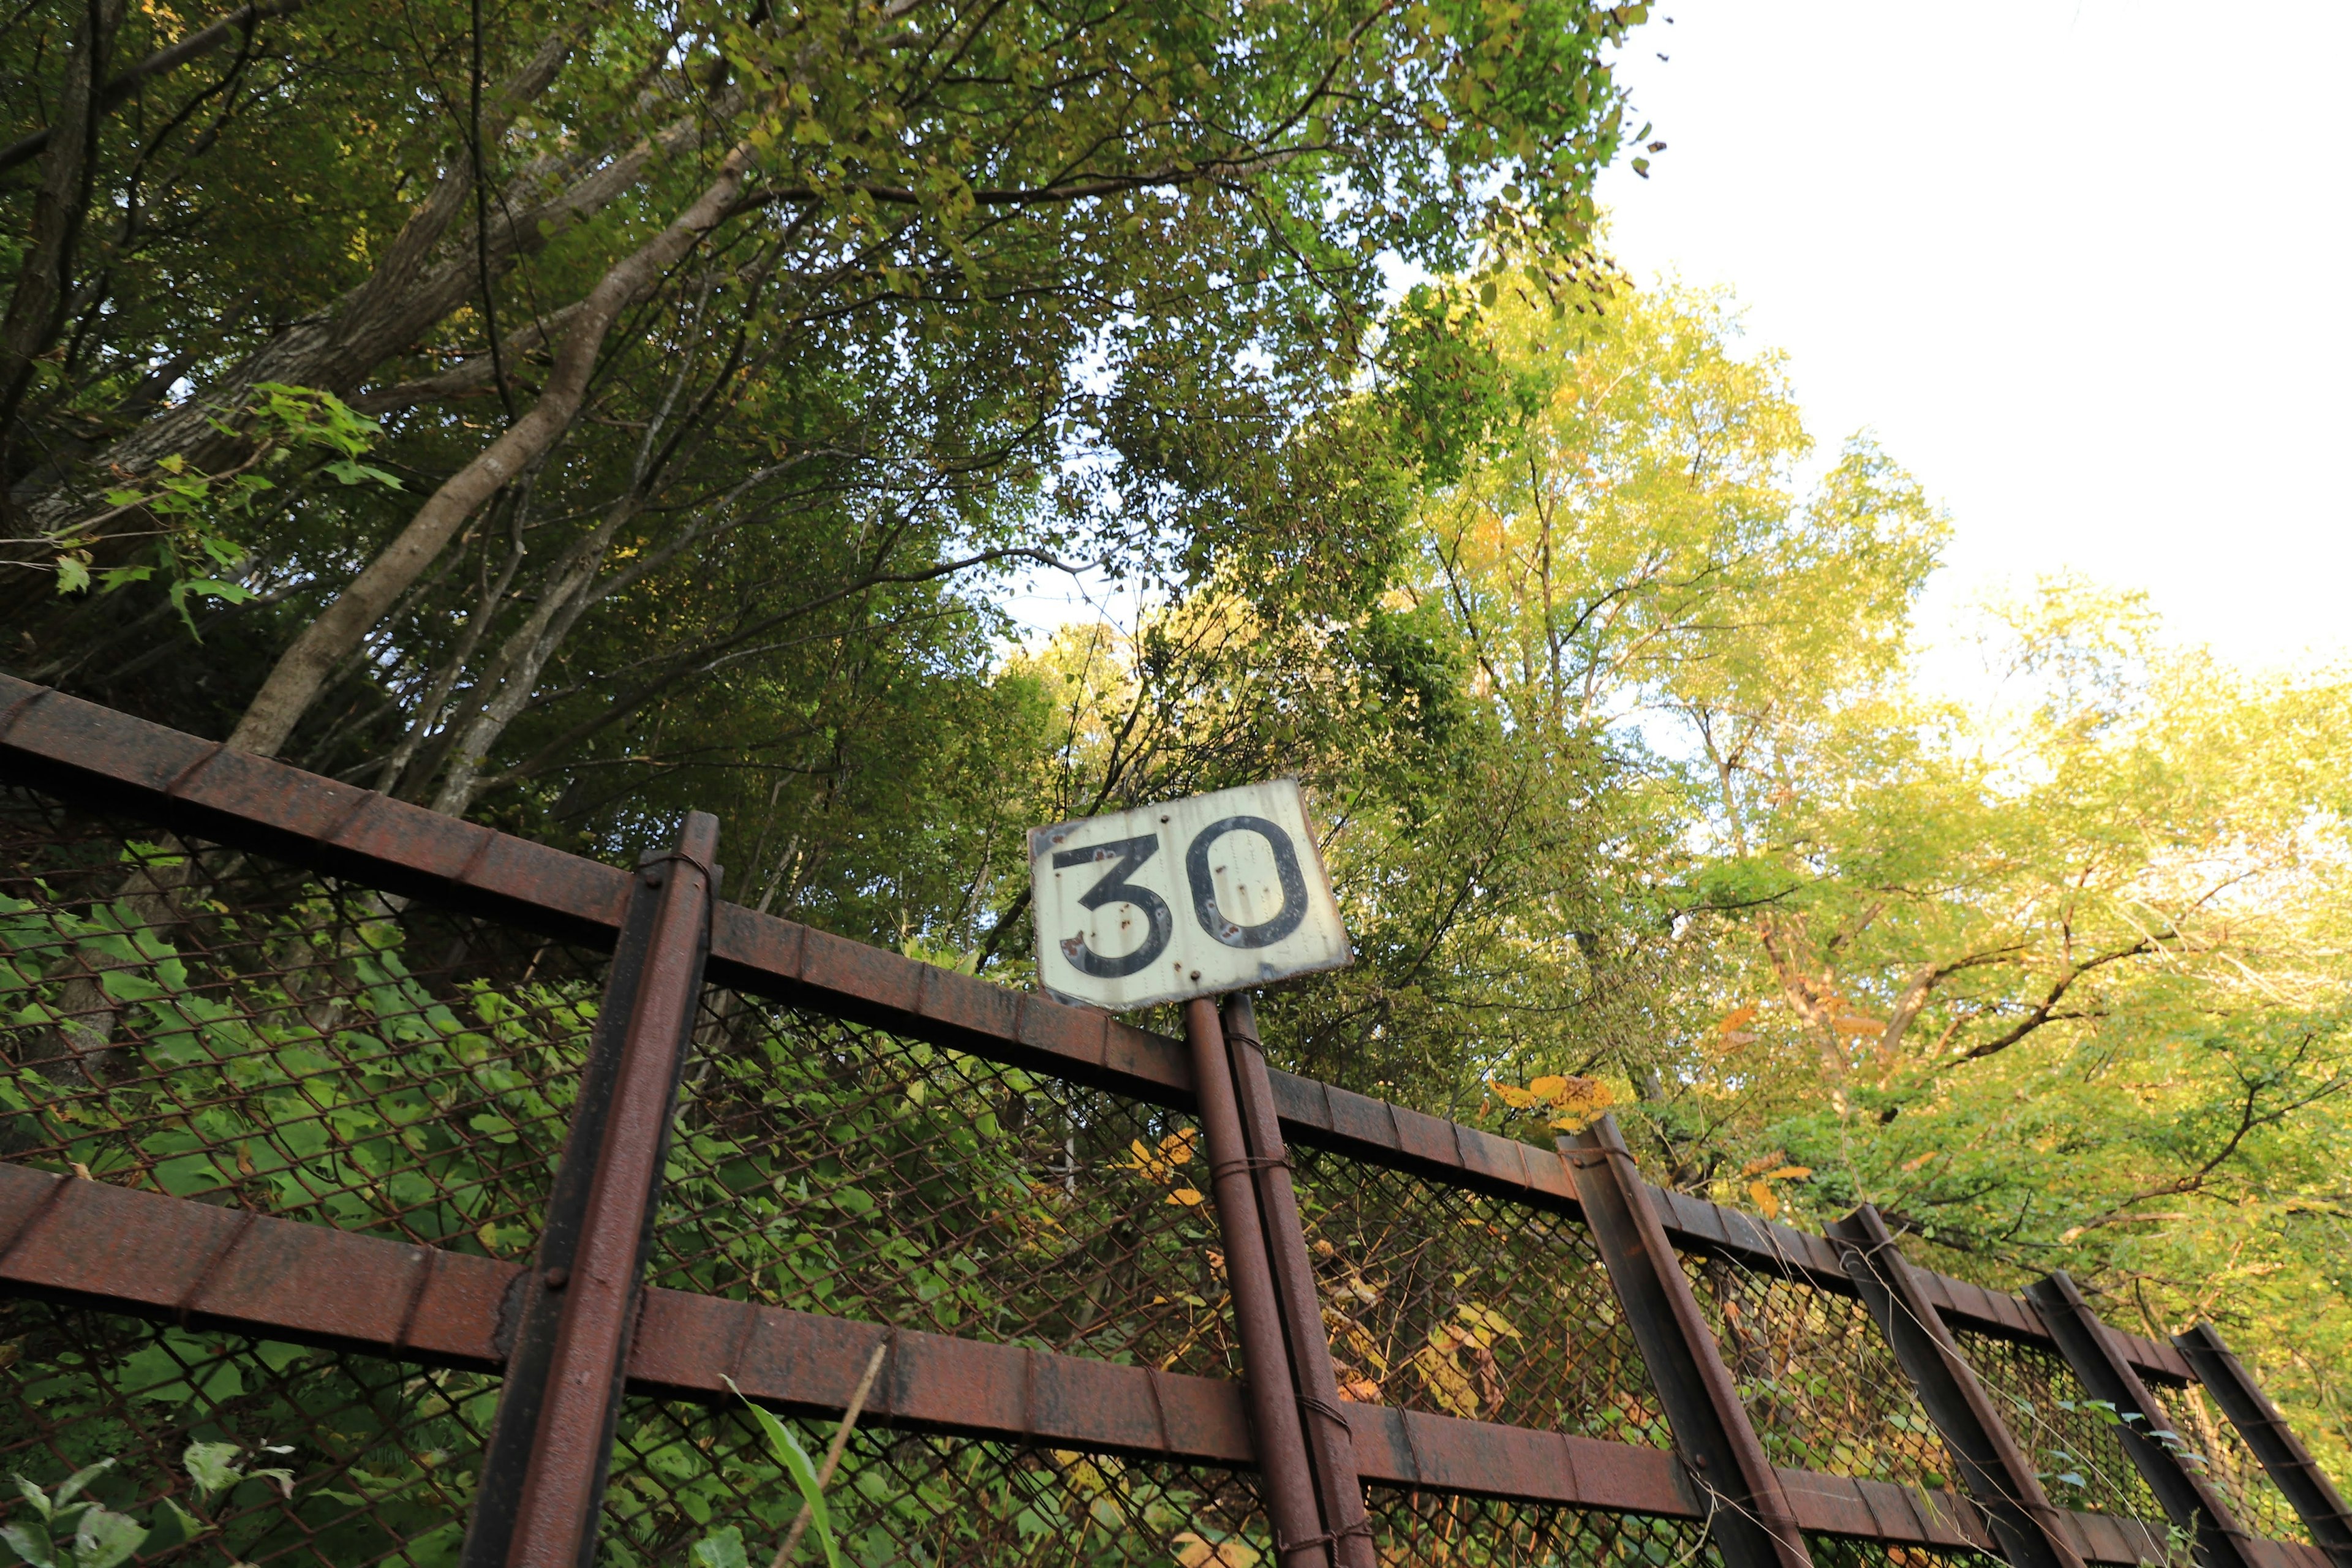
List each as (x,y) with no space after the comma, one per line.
(378,1188)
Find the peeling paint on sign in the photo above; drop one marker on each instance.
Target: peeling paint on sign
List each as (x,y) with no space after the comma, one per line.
(1194,897)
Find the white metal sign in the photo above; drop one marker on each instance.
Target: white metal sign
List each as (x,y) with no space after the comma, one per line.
(1196,897)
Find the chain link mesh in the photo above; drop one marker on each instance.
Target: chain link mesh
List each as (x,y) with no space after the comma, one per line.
(1820,1383)
(1445,1301)
(2215,1448)
(322,1458)
(1844,1552)
(1440,1530)
(685,1474)
(2072,1443)
(835,1168)
(211,1025)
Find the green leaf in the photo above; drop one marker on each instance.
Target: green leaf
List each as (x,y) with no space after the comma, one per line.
(354,473)
(31,1542)
(722,1549)
(34,1495)
(235,593)
(212,1466)
(795,1460)
(106,1538)
(173,1526)
(79,1480)
(73,575)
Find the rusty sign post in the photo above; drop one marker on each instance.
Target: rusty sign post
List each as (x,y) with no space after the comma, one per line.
(1331,1444)
(1184,902)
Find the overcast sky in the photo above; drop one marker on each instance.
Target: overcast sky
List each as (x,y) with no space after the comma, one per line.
(2080,264)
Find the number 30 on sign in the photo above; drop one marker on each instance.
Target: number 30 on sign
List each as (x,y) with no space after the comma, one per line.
(1196,897)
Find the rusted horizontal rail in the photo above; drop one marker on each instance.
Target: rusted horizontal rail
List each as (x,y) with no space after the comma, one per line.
(88,753)
(119,1249)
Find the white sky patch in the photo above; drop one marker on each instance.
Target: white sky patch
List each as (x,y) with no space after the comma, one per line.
(2078,263)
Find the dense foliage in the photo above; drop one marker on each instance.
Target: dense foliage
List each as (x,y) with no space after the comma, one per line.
(566,415)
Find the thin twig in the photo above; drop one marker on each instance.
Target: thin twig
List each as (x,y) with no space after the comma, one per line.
(832,1456)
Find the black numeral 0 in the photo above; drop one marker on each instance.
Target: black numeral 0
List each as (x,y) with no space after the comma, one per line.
(1266,933)
(1115,889)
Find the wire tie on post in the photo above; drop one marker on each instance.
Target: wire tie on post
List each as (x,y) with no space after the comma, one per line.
(1322,1407)
(1361,1527)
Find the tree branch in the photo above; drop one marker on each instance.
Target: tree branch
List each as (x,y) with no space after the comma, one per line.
(2046,1010)
(171,57)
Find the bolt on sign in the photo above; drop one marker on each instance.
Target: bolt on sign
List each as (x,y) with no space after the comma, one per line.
(1194,897)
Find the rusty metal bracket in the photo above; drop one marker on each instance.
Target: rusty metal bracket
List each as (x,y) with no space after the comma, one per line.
(2188,1499)
(1749,1517)
(1994,1470)
(1331,1444)
(543,1475)
(2288,1463)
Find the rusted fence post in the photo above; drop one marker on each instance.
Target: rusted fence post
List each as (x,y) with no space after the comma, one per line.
(1747,1513)
(2188,1499)
(1331,1444)
(1300,1540)
(1995,1470)
(2288,1463)
(543,1474)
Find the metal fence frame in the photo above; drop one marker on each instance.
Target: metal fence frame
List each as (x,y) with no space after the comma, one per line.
(577,1330)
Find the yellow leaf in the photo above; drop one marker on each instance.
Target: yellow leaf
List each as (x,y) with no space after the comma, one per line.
(1487,1318)
(1186,1196)
(1444,1376)
(1767,1204)
(1788,1173)
(1549,1087)
(1364,1347)
(1586,1096)
(1194,1551)
(1915,1164)
(1517,1099)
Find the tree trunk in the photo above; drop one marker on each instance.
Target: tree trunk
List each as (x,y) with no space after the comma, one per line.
(295,682)
(568,596)
(340,345)
(35,309)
